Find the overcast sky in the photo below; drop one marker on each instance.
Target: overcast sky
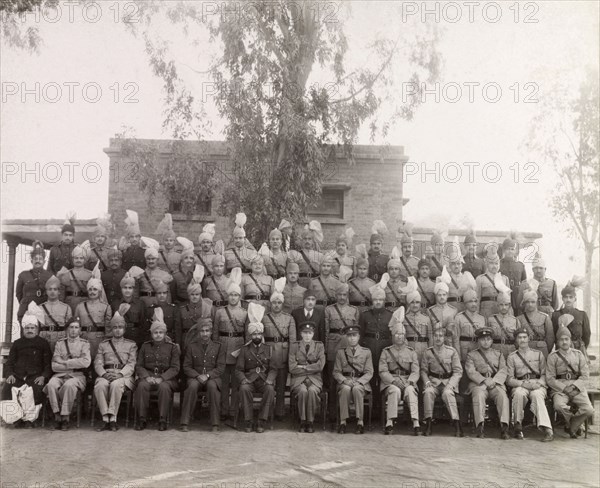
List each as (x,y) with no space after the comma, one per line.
(105,55)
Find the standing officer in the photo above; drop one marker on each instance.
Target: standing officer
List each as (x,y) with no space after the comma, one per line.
(399,374)
(410,263)
(203,366)
(353,371)
(56,314)
(111,278)
(503,325)
(255,372)
(61,253)
(74,281)
(70,362)
(279,333)
(458,282)
(394,297)
(191,312)
(377,260)
(490,284)
(567,373)
(157,367)
(239,255)
(168,257)
(277,262)
(546,290)
(257,285)
(183,276)
(215,285)
(472,264)
(467,323)
(341,257)
(580,325)
(325,286)
(441,372)
(99,251)
(359,294)
(293,293)
(539,324)
(442,313)
(486,370)
(438,258)
(417,324)
(425,285)
(94,315)
(115,366)
(151,275)
(527,378)
(306,362)
(31,283)
(308,258)
(511,268)
(171,312)
(133,255)
(133,312)
(207,253)
(229,328)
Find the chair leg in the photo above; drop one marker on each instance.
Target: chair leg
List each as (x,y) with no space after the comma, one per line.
(128,407)
(93,410)
(79,400)
(585,428)
(370,413)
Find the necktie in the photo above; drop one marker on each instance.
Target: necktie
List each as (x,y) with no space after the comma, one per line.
(353,350)
(307,347)
(309,315)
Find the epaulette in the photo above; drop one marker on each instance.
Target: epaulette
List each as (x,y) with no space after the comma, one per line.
(127,340)
(148,342)
(409,348)
(106,340)
(81,338)
(543,313)
(388,347)
(433,306)
(451,306)
(461,313)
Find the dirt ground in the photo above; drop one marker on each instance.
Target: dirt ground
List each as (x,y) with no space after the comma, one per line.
(43,458)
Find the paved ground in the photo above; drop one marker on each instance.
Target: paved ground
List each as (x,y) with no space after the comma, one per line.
(43,458)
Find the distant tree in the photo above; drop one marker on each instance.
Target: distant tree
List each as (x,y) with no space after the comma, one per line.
(13,26)
(281,126)
(565,133)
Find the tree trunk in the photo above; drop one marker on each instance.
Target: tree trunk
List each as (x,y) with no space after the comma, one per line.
(587,291)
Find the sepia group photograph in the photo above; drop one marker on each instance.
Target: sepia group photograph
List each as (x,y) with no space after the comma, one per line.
(299,243)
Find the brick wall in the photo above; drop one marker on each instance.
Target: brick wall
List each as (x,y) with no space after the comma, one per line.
(372,187)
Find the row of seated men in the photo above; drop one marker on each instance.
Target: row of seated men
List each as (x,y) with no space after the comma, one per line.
(526,374)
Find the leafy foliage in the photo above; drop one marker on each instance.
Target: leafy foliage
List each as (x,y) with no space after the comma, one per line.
(13,14)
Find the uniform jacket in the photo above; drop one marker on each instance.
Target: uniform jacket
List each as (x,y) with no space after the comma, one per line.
(241,260)
(437,265)
(485,287)
(408,267)
(478,369)
(262,287)
(337,317)
(172,318)
(421,326)
(325,288)
(449,358)
(60,255)
(136,320)
(293,297)
(190,313)
(517,368)
(111,281)
(540,326)
(317,317)
(158,359)
(29,358)
(215,288)
(276,265)
(76,352)
(312,267)
(397,363)
(357,366)
(31,286)
(580,327)
(206,261)
(504,327)
(473,265)
(134,256)
(106,360)
(181,280)
(98,318)
(394,298)
(577,372)
(377,265)
(464,334)
(314,360)
(59,311)
(230,332)
(209,359)
(426,288)
(358,292)
(279,335)
(74,283)
(254,362)
(547,293)
(443,313)
(97,254)
(515,272)
(168,261)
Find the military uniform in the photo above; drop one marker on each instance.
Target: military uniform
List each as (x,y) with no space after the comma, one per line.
(375,334)
(515,272)
(136,320)
(257,289)
(60,255)
(442,369)
(377,265)
(31,287)
(426,290)
(215,288)
(158,360)
(359,294)
(306,382)
(518,371)
(478,368)
(487,294)
(134,256)
(279,333)
(337,318)
(547,295)
(353,364)
(147,290)
(229,328)
(338,261)
(419,331)
(579,328)
(542,333)
(181,280)
(203,359)
(74,286)
(445,315)
(69,378)
(189,314)
(503,327)
(570,369)
(255,374)
(98,254)
(114,356)
(309,262)
(94,318)
(56,316)
(394,298)
(168,261)
(409,267)
(206,259)
(236,257)
(457,287)
(437,265)
(473,265)
(325,289)
(111,281)
(276,265)
(464,337)
(172,318)
(293,297)
(399,374)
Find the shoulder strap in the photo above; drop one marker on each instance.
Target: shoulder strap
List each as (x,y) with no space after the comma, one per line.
(437,358)
(393,293)
(405,266)
(87,310)
(100,259)
(491,281)
(166,262)
(121,363)
(50,315)
(531,327)
(367,300)
(270,317)
(524,361)
(469,319)
(564,360)
(307,261)
(149,282)
(339,312)
(410,324)
(69,355)
(324,287)
(432,313)
(244,269)
(494,370)
(406,371)
(262,292)
(232,319)
(76,281)
(350,364)
(429,304)
(217,287)
(207,270)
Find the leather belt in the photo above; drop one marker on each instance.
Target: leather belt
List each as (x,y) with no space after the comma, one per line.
(147,293)
(440,376)
(308,275)
(529,376)
(391,304)
(52,328)
(76,294)
(220,303)
(335,331)
(361,304)
(326,302)
(488,299)
(255,297)
(417,339)
(379,335)
(401,372)
(352,374)
(467,338)
(567,376)
(454,299)
(113,366)
(504,341)
(231,334)
(276,339)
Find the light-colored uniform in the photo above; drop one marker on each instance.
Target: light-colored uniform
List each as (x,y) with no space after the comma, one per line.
(94,317)
(168,261)
(444,314)
(357,367)
(419,331)
(74,286)
(359,294)
(293,297)
(399,374)
(306,383)
(147,291)
(464,336)
(504,327)
(487,293)
(541,332)
(309,263)
(257,289)
(441,367)
(56,316)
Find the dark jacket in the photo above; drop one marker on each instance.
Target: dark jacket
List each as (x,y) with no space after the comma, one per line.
(318,318)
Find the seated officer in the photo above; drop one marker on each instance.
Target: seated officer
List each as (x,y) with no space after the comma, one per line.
(399,373)
(527,378)
(70,362)
(486,370)
(567,372)
(203,365)
(254,371)
(441,371)
(353,371)
(306,361)
(156,368)
(115,366)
